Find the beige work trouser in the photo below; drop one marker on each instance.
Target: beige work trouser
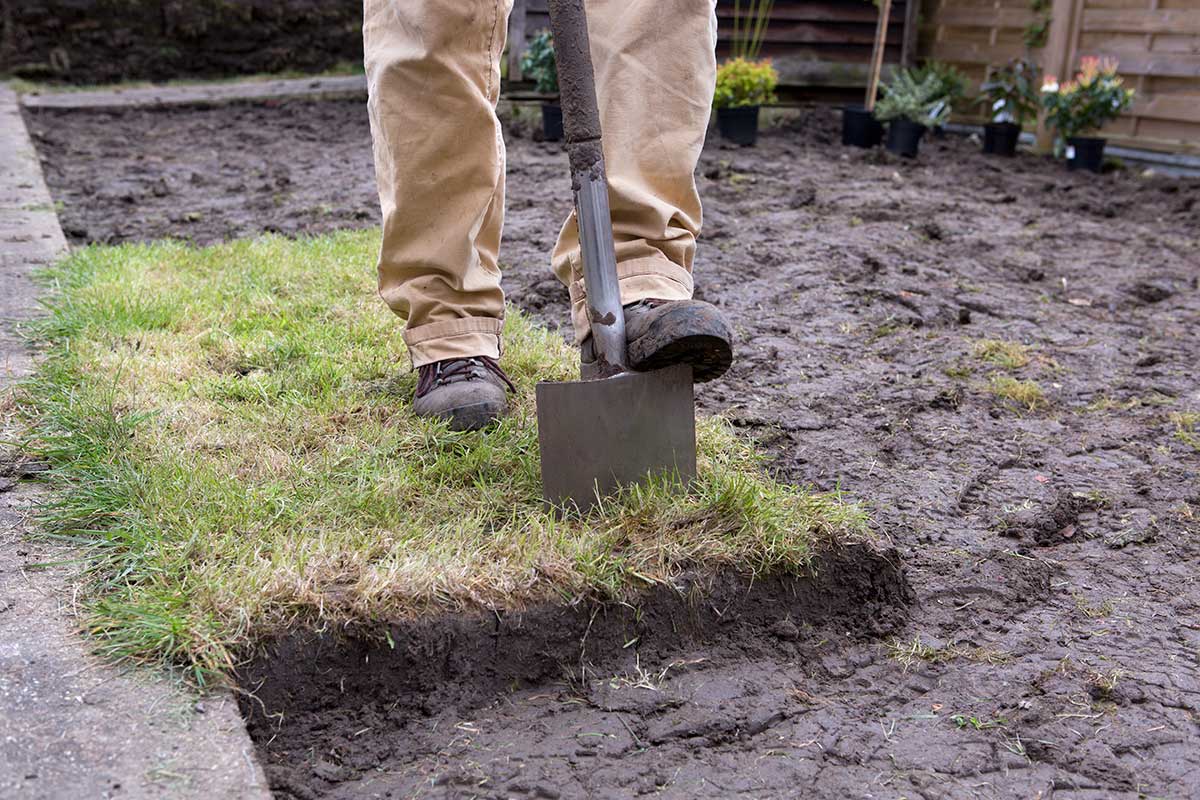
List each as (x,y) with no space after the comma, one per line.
(433,72)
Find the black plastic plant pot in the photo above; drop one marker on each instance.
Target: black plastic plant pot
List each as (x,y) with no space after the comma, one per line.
(904,137)
(738,125)
(1085,153)
(860,128)
(552,125)
(1000,138)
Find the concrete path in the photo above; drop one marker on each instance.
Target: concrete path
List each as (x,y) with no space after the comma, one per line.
(200,94)
(71,726)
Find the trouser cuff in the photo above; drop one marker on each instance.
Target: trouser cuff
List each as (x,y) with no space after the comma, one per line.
(640,279)
(456,338)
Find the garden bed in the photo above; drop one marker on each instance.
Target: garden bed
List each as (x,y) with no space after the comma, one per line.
(997,356)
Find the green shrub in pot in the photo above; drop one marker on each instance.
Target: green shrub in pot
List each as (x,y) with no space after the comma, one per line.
(951,83)
(743,86)
(910,106)
(1079,108)
(539,64)
(1011,96)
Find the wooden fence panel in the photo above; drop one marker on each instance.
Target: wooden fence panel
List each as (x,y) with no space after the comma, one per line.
(814,43)
(826,44)
(1157,43)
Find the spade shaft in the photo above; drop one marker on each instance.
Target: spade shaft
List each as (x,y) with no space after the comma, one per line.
(589,182)
(598,436)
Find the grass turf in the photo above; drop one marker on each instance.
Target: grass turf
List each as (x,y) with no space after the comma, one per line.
(232,443)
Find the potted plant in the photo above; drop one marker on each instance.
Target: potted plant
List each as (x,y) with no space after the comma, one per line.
(1011,98)
(745,82)
(949,81)
(1082,106)
(860,128)
(910,107)
(539,64)
(743,87)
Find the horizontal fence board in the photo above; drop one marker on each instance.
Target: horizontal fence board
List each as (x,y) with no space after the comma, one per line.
(809,33)
(813,12)
(1176,65)
(970,53)
(1166,107)
(957,17)
(1131,21)
(825,31)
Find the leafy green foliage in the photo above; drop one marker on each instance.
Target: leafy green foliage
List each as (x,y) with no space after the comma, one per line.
(922,101)
(539,63)
(1011,92)
(749,28)
(1038,29)
(951,82)
(1097,95)
(1035,33)
(745,83)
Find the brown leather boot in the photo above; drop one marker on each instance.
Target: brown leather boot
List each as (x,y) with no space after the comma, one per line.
(661,333)
(468,392)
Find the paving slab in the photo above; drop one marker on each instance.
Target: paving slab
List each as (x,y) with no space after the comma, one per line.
(200,94)
(71,725)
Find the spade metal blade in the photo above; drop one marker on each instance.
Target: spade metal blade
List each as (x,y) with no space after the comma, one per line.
(597,436)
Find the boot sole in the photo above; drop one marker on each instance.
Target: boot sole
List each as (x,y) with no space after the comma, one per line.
(474,417)
(705,345)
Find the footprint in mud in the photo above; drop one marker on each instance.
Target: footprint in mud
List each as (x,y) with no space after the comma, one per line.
(1045,522)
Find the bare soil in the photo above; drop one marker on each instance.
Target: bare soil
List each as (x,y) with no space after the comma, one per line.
(1039,637)
(82,41)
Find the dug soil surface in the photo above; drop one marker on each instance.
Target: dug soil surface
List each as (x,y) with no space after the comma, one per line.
(1043,499)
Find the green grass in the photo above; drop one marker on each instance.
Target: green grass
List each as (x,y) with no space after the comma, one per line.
(1187,428)
(1026,394)
(232,443)
(1009,355)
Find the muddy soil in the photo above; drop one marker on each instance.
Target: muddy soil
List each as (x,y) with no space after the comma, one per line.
(1050,648)
(89,42)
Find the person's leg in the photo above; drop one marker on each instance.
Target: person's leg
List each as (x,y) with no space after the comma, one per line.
(433,75)
(655,68)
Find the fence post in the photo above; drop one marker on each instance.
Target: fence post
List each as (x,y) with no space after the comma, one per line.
(1056,56)
(912,18)
(516,40)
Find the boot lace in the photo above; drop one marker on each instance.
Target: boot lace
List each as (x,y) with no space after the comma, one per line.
(458,370)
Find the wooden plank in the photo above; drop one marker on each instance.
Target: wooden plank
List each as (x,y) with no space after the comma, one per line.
(1188,142)
(812,12)
(878,46)
(1122,21)
(807,72)
(806,33)
(952,52)
(912,19)
(843,54)
(984,18)
(1057,55)
(1172,65)
(1177,109)
(516,40)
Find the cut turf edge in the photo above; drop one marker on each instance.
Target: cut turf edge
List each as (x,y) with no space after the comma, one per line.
(232,446)
(371,696)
